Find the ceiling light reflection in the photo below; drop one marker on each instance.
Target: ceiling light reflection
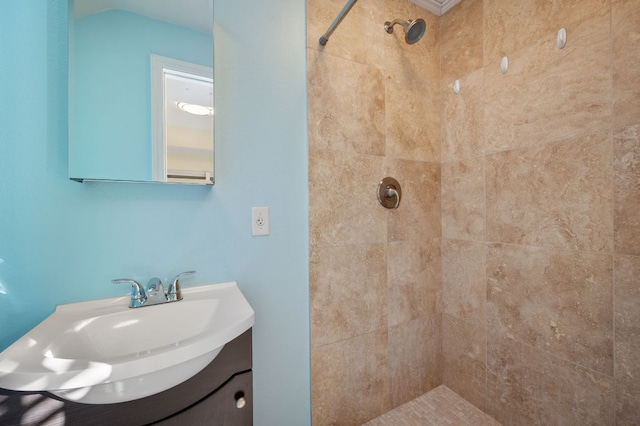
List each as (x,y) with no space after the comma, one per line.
(195,109)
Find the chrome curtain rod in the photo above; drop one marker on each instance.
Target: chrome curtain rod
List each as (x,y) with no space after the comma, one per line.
(347,7)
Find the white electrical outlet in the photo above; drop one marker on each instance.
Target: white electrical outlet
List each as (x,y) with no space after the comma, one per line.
(260,221)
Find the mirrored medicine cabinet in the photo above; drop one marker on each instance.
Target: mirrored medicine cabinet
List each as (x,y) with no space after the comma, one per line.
(141,91)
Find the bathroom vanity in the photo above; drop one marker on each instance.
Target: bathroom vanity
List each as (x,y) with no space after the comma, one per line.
(221,394)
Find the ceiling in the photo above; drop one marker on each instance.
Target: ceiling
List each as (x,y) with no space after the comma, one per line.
(438,7)
(194,14)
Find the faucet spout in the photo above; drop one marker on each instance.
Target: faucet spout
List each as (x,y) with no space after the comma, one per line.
(155,292)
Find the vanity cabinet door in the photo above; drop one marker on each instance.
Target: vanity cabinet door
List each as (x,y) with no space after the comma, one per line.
(222,408)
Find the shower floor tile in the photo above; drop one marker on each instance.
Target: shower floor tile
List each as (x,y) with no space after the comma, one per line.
(441,406)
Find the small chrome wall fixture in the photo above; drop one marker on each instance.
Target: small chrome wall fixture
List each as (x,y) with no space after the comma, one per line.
(562,38)
(504,64)
(456,87)
(389,193)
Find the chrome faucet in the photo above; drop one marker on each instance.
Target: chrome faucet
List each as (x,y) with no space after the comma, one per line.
(154,294)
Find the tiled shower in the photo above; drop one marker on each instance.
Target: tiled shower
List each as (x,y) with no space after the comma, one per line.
(510,272)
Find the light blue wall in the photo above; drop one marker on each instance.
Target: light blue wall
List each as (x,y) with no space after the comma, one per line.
(61,241)
(110,135)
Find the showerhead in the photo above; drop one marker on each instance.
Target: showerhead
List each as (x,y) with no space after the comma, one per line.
(413,30)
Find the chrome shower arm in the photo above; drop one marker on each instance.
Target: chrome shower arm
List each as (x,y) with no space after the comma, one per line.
(347,7)
(388,26)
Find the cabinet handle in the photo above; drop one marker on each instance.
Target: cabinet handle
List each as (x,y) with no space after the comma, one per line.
(241,402)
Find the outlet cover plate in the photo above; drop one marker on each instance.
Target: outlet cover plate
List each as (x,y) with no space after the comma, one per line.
(260,223)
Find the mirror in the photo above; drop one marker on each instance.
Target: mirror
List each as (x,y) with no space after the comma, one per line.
(141,91)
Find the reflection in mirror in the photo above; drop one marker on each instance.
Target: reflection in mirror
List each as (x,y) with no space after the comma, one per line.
(111,124)
(182,99)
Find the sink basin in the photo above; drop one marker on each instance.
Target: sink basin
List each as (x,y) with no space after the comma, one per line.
(102,351)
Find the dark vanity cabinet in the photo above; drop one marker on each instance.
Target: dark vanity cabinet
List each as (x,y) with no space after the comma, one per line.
(229,405)
(221,394)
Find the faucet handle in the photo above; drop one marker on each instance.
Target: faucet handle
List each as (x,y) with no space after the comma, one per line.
(175,292)
(138,295)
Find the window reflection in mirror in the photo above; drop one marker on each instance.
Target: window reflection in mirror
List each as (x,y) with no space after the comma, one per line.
(111,43)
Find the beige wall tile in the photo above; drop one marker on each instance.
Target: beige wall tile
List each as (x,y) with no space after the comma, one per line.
(554,195)
(551,94)
(341,117)
(415,358)
(350,381)
(461,44)
(627,339)
(627,406)
(573,395)
(626,62)
(464,348)
(414,283)
(418,216)
(510,25)
(413,120)
(348,292)
(626,173)
(462,118)
(514,379)
(360,36)
(343,207)
(557,301)
(464,283)
(526,386)
(412,80)
(463,199)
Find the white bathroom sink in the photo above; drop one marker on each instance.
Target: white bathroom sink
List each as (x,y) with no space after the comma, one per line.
(102,351)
